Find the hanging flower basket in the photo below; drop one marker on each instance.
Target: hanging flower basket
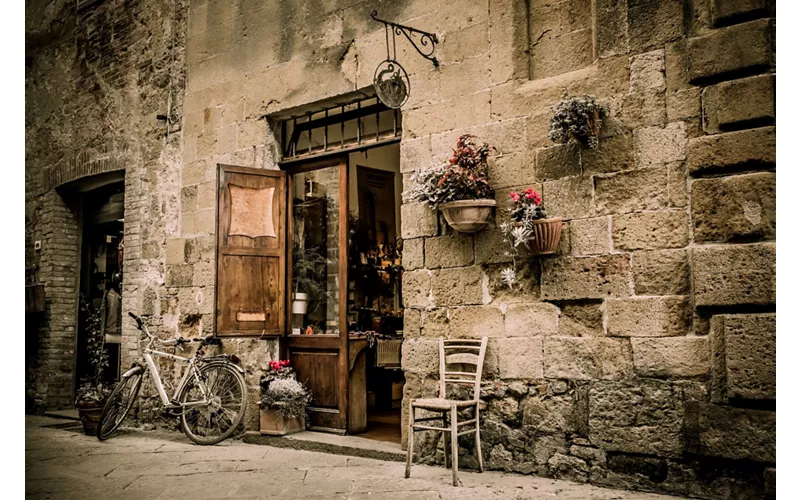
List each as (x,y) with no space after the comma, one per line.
(546,234)
(468,216)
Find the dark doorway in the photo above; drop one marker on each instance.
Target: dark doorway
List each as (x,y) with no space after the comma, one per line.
(101,275)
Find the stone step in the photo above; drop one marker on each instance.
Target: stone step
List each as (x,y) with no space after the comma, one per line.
(330,443)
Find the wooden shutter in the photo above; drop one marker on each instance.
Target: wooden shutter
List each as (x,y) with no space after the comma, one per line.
(251,251)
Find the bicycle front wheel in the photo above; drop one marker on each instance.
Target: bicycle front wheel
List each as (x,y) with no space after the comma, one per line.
(211,419)
(119,404)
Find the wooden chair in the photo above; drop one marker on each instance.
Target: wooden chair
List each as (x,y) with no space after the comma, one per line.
(463,355)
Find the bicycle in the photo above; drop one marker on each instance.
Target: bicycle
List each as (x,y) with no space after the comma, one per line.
(210,399)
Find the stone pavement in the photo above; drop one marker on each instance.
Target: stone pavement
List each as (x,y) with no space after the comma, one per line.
(65,464)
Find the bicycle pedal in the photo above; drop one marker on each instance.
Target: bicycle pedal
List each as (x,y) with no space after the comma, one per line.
(171,411)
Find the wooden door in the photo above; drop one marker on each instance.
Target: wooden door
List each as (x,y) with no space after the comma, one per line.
(251,252)
(318,197)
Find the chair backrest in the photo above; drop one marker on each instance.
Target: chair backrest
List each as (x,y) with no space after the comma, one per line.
(461,362)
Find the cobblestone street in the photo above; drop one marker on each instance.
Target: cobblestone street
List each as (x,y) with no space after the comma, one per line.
(62,463)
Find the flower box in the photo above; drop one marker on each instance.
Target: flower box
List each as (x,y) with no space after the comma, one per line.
(272,423)
(468,216)
(546,236)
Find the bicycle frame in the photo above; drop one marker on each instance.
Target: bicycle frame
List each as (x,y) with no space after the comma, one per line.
(191,370)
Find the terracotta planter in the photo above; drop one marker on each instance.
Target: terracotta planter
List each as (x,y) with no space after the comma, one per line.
(546,235)
(90,416)
(274,424)
(468,216)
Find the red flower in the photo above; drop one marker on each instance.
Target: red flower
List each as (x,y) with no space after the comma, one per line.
(514,196)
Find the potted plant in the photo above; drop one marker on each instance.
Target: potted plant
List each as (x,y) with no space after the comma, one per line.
(308,275)
(283,401)
(530,228)
(92,393)
(460,188)
(577,119)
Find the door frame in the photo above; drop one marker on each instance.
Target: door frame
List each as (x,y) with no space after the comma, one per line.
(342,341)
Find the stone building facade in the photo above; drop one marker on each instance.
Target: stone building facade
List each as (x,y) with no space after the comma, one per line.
(641,356)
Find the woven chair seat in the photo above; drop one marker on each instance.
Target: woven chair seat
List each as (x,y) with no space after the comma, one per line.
(442,404)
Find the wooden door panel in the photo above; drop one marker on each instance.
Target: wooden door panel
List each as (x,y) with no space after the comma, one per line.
(251,252)
(318,370)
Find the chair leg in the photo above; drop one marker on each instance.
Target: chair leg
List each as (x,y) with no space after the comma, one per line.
(454,443)
(410,455)
(445,444)
(478,439)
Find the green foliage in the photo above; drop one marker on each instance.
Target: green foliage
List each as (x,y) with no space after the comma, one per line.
(309,275)
(577,119)
(93,390)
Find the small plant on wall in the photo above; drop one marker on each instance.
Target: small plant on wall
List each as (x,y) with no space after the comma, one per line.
(529,228)
(577,119)
(460,188)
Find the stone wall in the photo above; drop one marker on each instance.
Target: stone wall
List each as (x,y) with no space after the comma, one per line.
(626,359)
(95,82)
(643,354)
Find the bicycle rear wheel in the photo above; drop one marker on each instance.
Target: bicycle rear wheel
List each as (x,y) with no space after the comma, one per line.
(214,421)
(119,404)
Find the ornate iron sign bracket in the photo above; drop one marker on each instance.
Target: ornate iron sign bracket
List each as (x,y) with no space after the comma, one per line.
(391,79)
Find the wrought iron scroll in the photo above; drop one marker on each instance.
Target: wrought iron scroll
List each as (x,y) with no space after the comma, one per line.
(391,79)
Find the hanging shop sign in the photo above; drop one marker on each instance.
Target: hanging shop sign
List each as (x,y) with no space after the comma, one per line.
(391,79)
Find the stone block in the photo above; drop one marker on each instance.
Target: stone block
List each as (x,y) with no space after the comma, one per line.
(661,272)
(651,24)
(179,275)
(683,104)
(657,146)
(581,319)
(670,357)
(649,316)
(465,43)
(562,160)
(650,230)
(737,104)
(415,154)
(520,358)
(590,236)
(725,12)
(512,169)
(631,191)
(413,254)
(412,323)
(417,289)
(473,322)
(648,71)
(175,251)
(420,356)
(569,198)
(587,358)
(454,250)
(531,319)
(588,453)
(770,487)
(457,286)
(641,109)
(557,415)
(555,54)
(612,39)
(418,220)
(489,248)
(744,357)
(466,111)
(734,274)
(643,416)
(463,78)
(614,153)
(744,48)
(754,148)
(677,185)
(733,208)
(734,433)
(566,278)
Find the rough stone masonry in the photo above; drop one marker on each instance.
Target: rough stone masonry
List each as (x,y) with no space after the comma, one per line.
(641,356)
